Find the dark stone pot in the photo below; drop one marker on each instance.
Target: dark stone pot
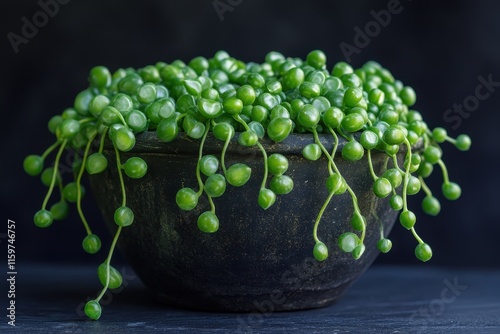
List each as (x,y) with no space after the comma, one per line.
(258,260)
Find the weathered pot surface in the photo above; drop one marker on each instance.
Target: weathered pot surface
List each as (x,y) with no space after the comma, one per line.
(258,259)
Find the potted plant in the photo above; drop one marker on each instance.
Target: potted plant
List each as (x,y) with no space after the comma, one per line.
(218,175)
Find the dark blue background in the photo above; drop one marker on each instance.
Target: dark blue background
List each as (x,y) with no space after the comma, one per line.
(438,48)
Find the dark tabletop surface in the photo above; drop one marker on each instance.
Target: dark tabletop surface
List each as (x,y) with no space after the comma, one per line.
(386,299)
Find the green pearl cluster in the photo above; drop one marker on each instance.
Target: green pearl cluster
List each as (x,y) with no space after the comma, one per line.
(226,97)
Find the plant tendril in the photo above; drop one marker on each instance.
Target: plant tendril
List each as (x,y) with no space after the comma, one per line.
(54,174)
(79,188)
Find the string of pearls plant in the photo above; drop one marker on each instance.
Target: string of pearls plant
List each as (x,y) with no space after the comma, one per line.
(227,97)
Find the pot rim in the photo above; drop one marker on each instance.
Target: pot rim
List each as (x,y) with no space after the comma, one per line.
(148,142)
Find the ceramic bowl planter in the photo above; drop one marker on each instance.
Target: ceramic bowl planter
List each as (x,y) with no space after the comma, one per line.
(256,255)
(232,185)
